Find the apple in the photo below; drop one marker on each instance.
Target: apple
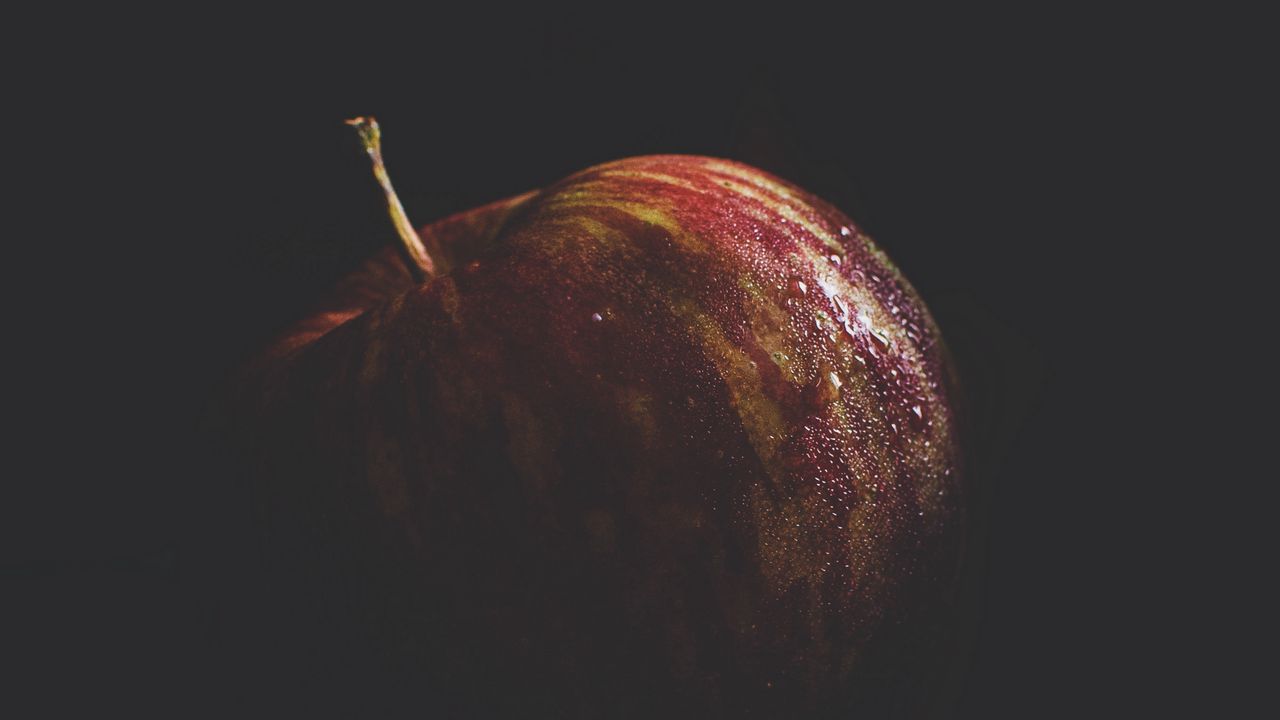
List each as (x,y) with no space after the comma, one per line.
(669,435)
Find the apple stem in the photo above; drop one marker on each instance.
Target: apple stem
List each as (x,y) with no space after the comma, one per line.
(421,263)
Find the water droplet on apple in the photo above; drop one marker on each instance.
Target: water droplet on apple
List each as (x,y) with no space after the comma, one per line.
(796,288)
(835,260)
(917,417)
(596,317)
(845,231)
(880,339)
(825,390)
(842,311)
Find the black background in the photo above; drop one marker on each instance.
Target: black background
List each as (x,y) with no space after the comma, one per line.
(216,192)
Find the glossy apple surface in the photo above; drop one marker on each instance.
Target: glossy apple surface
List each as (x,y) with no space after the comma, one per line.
(670,433)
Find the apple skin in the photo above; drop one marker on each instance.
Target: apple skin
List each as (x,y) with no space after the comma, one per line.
(671,435)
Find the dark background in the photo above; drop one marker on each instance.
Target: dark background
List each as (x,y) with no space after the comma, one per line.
(1001,160)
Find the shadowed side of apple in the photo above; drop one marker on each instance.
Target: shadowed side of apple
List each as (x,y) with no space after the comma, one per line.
(670,435)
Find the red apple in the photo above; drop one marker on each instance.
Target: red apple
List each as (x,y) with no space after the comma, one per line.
(671,434)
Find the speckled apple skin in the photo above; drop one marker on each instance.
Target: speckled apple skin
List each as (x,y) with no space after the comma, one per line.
(671,433)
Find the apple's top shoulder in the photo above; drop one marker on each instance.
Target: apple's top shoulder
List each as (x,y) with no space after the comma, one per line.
(679,163)
(385,275)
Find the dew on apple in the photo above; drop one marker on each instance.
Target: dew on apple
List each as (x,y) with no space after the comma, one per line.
(836,301)
(796,288)
(917,417)
(881,340)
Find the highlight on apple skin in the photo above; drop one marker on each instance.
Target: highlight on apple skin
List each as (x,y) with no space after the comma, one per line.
(668,436)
